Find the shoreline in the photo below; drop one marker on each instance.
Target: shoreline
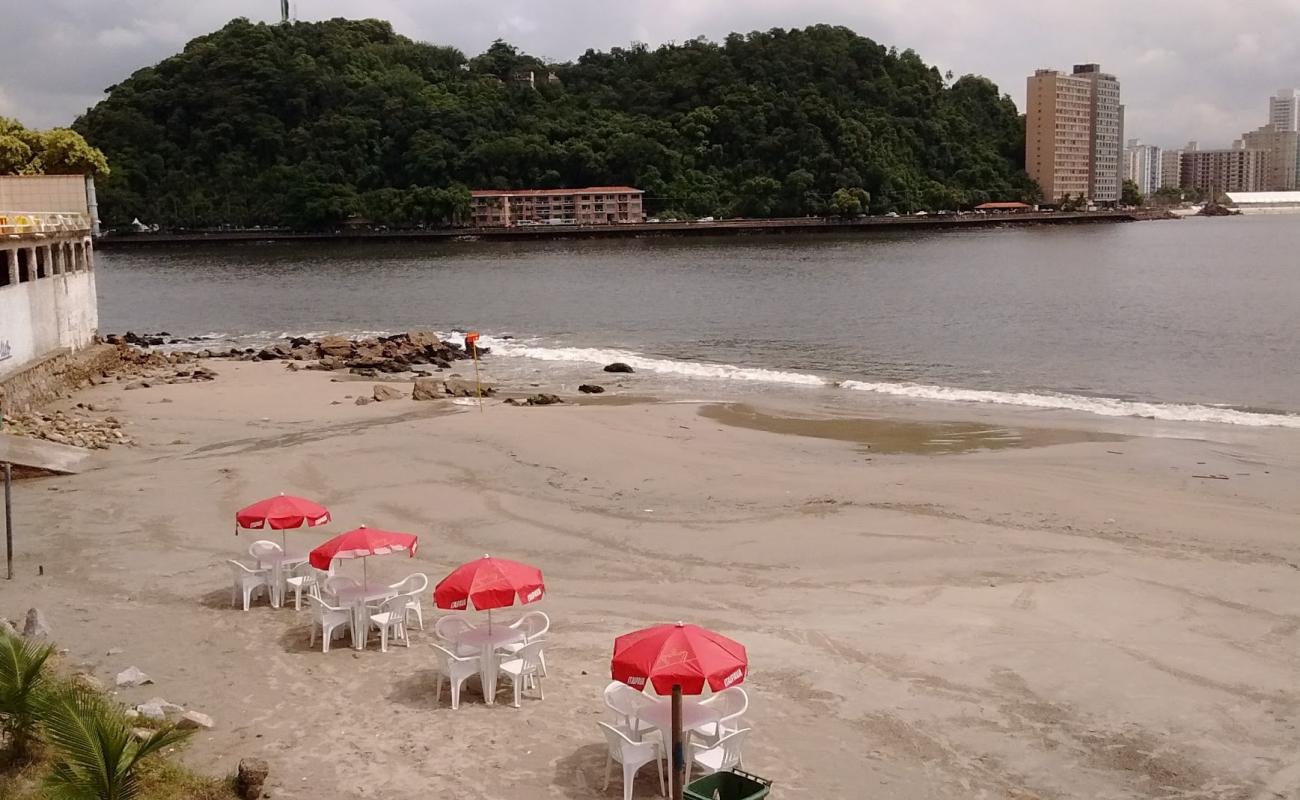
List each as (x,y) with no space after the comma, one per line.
(807,225)
(1078,619)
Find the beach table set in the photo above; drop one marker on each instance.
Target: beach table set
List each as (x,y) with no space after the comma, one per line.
(679,661)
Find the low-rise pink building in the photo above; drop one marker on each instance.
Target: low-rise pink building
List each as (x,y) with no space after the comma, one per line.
(594,205)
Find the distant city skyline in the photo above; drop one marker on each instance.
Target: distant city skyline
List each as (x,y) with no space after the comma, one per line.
(1193,69)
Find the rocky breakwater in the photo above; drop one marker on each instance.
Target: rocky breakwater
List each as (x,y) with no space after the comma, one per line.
(367,357)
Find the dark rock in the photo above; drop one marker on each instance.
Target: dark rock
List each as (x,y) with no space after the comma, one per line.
(35,626)
(462,388)
(427,389)
(591,388)
(385,392)
(363,400)
(618,366)
(299,341)
(251,777)
(543,400)
(365,372)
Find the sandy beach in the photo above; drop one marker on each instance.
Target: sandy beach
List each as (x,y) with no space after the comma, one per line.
(1061,609)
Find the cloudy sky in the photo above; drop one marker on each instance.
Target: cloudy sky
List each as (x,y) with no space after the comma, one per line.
(1200,69)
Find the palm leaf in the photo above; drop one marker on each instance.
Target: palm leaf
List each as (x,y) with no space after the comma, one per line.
(97,754)
(22,682)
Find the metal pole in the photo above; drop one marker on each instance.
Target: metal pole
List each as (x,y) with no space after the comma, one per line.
(9,521)
(679,763)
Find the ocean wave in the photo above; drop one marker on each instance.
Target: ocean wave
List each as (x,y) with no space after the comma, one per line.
(1103,406)
(642,363)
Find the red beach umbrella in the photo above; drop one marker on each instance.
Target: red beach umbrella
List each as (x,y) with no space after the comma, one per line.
(487,583)
(678,655)
(281,512)
(363,543)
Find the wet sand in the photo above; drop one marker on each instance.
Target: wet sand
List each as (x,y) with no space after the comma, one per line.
(1075,616)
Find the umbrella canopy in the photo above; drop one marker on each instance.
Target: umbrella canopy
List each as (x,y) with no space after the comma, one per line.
(362,543)
(487,583)
(280,512)
(684,655)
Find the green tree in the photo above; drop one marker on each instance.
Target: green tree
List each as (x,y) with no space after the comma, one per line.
(850,202)
(60,151)
(1130,195)
(22,686)
(98,756)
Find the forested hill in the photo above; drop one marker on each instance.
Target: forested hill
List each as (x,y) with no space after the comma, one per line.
(306,124)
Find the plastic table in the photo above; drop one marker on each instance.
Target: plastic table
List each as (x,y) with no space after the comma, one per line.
(486,642)
(279,566)
(357,597)
(660,717)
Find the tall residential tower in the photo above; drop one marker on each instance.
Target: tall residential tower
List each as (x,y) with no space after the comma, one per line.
(1074,129)
(1284,110)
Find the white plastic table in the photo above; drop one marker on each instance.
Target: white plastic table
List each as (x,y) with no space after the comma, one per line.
(660,717)
(279,564)
(357,597)
(486,642)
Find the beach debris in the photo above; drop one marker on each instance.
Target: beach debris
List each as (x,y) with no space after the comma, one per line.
(591,388)
(7,627)
(619,366)
(140,734)
(113,651)
(463,388)
(1212,477)
(364,401)
(35,626)
(427,389)
(384,392)
(132,676)
(191,720)
(250,777)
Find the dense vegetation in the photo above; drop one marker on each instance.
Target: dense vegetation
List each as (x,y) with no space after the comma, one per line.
(55,152)
(308,123)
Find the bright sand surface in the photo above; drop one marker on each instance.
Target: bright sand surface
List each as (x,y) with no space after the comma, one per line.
(1079,619)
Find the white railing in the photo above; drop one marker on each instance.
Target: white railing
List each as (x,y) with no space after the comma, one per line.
(16,223)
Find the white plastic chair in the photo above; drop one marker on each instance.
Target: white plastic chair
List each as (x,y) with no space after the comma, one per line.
(723,755)
(627,703)
(248,581)
(305,576)
(392,618)
(449,629)
(330,589)
(268,555)
(534,625)
(412,586)
(525,667)
(329,619)
(456,669)
(633,755)
(731,704)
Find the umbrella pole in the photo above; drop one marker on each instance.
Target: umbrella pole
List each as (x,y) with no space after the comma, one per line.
(678,762)
(365,575)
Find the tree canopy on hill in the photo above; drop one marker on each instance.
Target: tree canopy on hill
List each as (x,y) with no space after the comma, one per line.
(307,123)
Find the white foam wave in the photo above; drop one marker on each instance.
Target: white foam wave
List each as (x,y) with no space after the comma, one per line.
(641,363)
(1104,406)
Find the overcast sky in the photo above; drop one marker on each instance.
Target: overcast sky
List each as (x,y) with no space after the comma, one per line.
(1201,69)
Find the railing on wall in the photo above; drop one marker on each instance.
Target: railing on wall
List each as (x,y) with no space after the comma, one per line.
(18,223)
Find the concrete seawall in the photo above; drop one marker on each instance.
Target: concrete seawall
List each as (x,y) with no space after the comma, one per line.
(809,225)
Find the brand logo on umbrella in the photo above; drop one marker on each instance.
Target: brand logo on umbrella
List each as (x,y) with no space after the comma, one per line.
(733,677)
(458,603)
(534,594)
(636,681)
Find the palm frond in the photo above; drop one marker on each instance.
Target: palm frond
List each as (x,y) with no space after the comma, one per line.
(22,682)
(97,753)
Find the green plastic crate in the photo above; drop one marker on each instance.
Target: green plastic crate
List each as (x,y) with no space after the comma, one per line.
(731,785)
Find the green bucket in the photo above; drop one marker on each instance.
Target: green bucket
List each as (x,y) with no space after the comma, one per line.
(731,785)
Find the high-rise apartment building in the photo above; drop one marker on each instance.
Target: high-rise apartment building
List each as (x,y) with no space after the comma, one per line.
(1073,134)
(1142,164)
(1219,171)
(1283,149)
(1284,110)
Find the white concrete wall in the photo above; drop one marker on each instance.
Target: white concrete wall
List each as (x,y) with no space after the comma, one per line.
(43,193)
(43,315)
